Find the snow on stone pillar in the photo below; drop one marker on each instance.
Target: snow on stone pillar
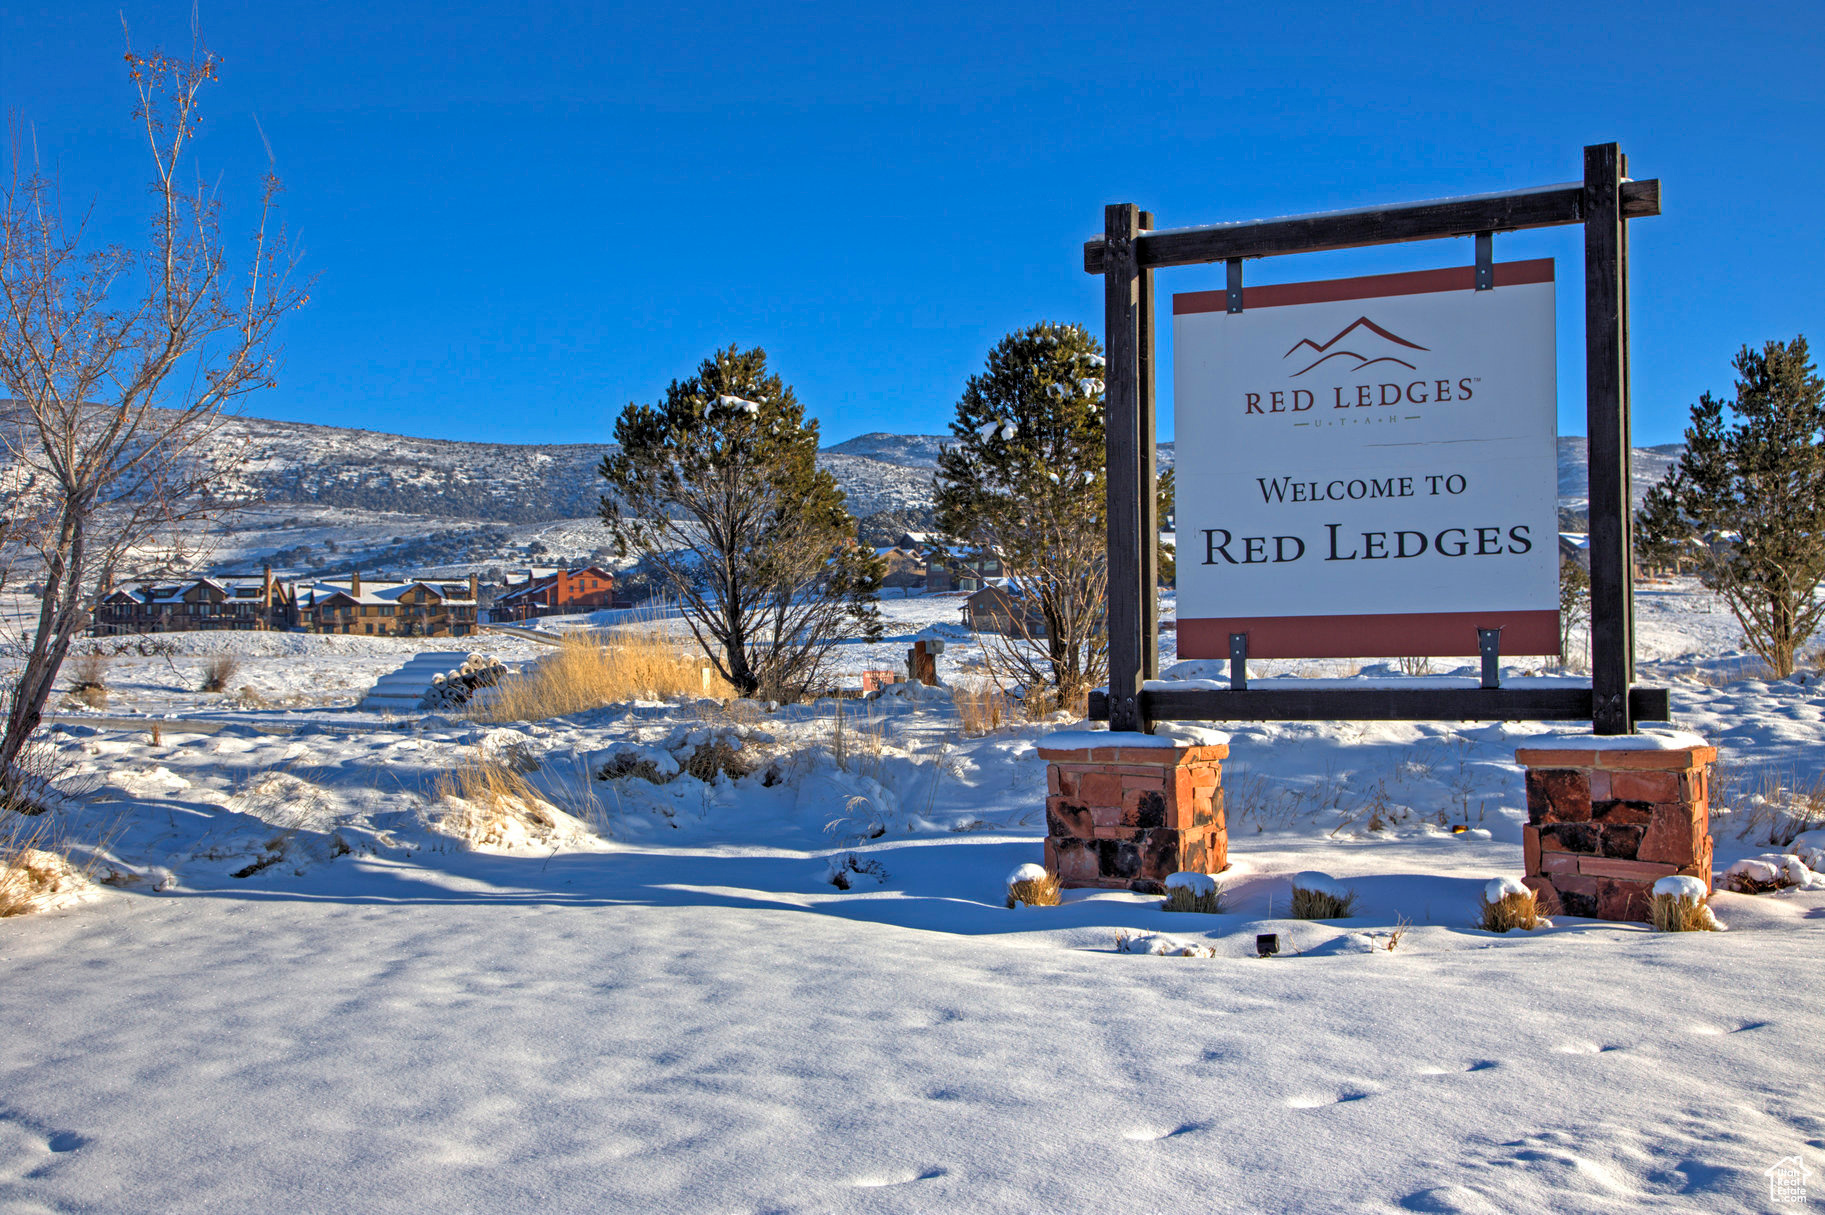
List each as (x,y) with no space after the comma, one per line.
(1609,816)
(1125,811)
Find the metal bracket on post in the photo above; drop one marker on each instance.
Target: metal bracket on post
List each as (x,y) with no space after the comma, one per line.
(1235,284)
(1485,261)
(1489,645)
(1238,662)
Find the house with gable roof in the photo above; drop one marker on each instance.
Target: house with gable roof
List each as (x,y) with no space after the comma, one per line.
(387,607)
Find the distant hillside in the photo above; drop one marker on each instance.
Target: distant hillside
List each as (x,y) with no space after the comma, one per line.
(1647,465)
(298,464)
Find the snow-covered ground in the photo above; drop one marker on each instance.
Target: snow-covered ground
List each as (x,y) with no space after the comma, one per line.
(298,991)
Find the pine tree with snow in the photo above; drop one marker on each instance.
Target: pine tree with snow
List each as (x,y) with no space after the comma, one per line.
(717,490)
(1024,481)
(1748,496)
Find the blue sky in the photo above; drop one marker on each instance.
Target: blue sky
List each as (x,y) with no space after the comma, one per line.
(525,216)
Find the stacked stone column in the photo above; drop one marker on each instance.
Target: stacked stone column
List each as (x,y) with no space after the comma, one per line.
(1604,825)
(1127,817)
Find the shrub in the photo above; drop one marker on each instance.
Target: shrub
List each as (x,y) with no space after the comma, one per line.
(630,664)
(1193,892)
(218,671)
(1032,885)
(1317,897)
(89,680)
(1506,905)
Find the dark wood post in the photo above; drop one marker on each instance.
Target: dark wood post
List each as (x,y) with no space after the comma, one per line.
(1606,425)
(1149,474)
(1121,412)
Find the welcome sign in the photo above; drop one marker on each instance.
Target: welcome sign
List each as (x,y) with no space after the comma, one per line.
(1368,467)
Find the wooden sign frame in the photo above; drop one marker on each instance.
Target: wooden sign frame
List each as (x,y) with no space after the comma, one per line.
(1131,249)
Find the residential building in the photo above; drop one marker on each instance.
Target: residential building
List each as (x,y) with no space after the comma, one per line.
(393,608)
(950,566)
(555,593)
(247,602)
(1002,607)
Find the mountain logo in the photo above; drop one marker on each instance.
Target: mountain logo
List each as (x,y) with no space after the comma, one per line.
(1379,350)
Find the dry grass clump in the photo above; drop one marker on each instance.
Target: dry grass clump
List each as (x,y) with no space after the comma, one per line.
(1511,911)
(1681,913)
(717,756)
(492,805)
(1204,898)
(628,664)
(218,671)
(1033,886)
(1322,902)
(89,680)
(982,707)
(1777,811)
(35,873)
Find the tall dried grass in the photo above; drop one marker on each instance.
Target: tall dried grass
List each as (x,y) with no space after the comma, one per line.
(982,707)
(1510,912)
(639,663)
(1681,913)
(1770,809)
(490,803)
(36,872)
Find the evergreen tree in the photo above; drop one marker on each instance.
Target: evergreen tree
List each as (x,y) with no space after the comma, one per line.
(1748,498)
(1024,480)
(717,490)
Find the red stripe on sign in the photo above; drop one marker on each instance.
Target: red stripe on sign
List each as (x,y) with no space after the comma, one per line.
(1372,286)
(1403,635)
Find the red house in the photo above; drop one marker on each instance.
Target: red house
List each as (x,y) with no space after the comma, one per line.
(555,593)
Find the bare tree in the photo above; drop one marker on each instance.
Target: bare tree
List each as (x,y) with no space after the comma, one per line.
(119,362)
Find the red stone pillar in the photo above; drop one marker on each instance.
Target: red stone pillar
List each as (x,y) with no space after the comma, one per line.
(1125,817)
(1603,825)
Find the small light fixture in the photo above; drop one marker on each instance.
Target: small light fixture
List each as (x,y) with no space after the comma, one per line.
(1267,944)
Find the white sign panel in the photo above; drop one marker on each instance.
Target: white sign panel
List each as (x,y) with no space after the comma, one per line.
(1368,467)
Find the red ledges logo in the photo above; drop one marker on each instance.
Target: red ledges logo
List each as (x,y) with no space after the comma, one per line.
(1379,350)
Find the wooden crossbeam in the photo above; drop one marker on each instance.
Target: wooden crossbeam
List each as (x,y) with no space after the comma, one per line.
(1549,207)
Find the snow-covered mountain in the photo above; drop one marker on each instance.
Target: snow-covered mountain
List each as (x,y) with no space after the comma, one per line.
(298,464)
(342,495)
(1647,465)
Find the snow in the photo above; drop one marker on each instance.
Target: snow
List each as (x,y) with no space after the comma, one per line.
(1028,872)
(1320,883)
(1159,945)
(1651,737)
(1682,886)
(1776,869)
(296,989)
(1497,889)
(1200,885)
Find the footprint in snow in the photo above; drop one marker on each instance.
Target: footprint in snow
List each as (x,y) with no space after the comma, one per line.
(1153,1134)
(1311,1102)
(1476,1065)
(880,1180)
(1586,1048)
